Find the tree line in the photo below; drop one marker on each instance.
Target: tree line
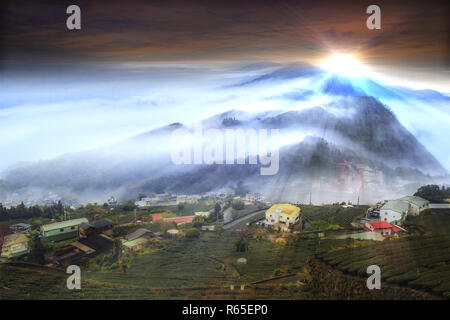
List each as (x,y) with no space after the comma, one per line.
(434,193)
(23,212)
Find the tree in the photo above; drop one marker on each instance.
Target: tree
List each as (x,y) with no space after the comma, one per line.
(198,222)
(129,206)
(117,249)
(433,193)
(60,208)
(241,244)
(142,196)
(217,209)
(125,263)
(238,204)
(37,251)
(93,211)
(180,207)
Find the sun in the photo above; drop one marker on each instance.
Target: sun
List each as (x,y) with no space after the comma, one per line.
(344,64)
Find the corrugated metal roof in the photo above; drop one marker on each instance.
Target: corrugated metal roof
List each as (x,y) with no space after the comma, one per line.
(137,234)
(135,242)
(23,225)
(63,224)
(396,205)
(418,201)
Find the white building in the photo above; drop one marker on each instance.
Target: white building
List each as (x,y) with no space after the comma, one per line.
(417,204)
(282,216)
(188,198)
(394,211)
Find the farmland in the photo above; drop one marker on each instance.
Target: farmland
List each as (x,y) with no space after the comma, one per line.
(420,261)
(207,266)
(210,260)
(333,214)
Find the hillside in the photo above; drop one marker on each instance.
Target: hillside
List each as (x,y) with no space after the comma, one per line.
(420,261)
(353,128)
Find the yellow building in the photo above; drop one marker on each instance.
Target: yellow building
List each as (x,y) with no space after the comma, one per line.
(204,214)
(282,216)
(15,245)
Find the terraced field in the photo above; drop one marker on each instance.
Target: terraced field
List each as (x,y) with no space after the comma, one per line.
(333,214)
(417,261)
(206,267)
(201,268)
(210,260)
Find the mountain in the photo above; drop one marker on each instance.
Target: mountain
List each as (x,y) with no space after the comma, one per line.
(352,129)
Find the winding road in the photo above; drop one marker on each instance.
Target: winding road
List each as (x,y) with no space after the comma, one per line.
(241,219)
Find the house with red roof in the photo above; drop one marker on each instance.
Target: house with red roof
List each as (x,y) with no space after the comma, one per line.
(179,220)
(156,217)
(383,227)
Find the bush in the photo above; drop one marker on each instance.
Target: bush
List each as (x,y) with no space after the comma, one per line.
(238,205)
(192,234)
(119,231)
(198,222)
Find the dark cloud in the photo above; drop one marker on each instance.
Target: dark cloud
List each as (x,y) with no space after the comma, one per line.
(232,30)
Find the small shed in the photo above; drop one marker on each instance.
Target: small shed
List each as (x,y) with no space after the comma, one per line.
(20,227)
(136,244)
(139,233)
(173,232)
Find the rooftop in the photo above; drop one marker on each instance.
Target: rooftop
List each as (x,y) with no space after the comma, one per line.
(418,201)
(20,225)
(180,219)
(63,224)
(156,217)
(135,242)
(286,209)
(137,234)
(400,206)
(14,238)
(384,225)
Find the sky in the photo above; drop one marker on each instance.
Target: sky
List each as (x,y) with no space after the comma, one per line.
(413,33)
(138,65)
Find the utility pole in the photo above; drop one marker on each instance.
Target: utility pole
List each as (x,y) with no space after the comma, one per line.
(135,216)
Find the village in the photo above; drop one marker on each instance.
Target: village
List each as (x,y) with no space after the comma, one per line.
(217,241)
(72,240)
